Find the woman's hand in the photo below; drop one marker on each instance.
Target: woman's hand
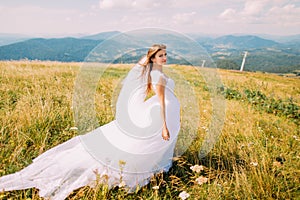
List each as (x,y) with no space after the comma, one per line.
(165,134)
(160,87)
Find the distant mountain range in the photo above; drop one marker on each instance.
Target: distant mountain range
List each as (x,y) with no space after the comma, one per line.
(240,42)
(266,53)
(6,38)
(65,49)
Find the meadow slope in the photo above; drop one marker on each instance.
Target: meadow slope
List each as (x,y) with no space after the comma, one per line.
(257,155)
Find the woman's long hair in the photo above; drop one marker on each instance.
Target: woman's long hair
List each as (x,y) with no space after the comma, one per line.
(148,64)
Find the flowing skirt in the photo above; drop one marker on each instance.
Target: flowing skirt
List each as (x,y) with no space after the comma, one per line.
(106,154)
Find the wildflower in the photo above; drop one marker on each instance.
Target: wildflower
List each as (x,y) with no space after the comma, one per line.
(184,195)
(155,187)
(254,164)
(197,168)
(295,137)
(73,128)
(276,164)
(122,162)
(122,184)
(250,144)
(200,180)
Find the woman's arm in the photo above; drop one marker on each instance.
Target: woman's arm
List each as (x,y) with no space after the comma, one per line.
(160,87)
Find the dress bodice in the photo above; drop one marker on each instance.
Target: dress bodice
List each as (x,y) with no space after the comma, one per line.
(156,75)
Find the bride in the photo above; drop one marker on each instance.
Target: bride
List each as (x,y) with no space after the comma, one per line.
(127,151)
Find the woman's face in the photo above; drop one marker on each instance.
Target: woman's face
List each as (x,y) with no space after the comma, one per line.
(160,57)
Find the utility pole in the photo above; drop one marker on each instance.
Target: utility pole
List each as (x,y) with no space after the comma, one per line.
(244,60)
(203,62)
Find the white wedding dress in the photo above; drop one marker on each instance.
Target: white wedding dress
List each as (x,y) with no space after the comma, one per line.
(114,153)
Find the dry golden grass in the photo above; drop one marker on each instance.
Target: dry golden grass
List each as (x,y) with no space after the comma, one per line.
(257,155)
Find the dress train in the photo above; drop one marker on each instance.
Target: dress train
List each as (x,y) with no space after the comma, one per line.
(97,155)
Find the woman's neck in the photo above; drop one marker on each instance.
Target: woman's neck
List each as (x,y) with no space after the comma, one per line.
(157,67)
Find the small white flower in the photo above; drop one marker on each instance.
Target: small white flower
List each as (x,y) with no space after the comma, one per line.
(200,180)
(254,164)
(197,168)
(73,128)
(155,187)
(203,127)
(184,195)
(250,144)
(122,184)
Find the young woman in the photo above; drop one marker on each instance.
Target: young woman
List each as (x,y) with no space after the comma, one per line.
(127,151)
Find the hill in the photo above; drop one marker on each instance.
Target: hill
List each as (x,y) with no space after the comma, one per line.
(101,36)
(255,156)
(6,39)
(62,49)
(240,42)
(263,54)
(227,51)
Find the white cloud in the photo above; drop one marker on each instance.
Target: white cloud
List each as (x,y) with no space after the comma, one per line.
(288,15)
(192,3)
(251,11)
(107,4)
(210,16)
(254,7)
(183,17)
(128,4)
(229,14)
(261,12)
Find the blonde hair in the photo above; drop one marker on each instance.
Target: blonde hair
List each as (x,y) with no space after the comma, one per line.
(148,64)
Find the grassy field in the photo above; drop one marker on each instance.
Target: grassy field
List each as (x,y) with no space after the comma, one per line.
(257,155)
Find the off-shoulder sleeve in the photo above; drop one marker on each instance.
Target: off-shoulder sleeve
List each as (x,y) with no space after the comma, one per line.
(157,77)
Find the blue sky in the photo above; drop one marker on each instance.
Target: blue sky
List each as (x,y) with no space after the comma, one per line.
(66,17)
